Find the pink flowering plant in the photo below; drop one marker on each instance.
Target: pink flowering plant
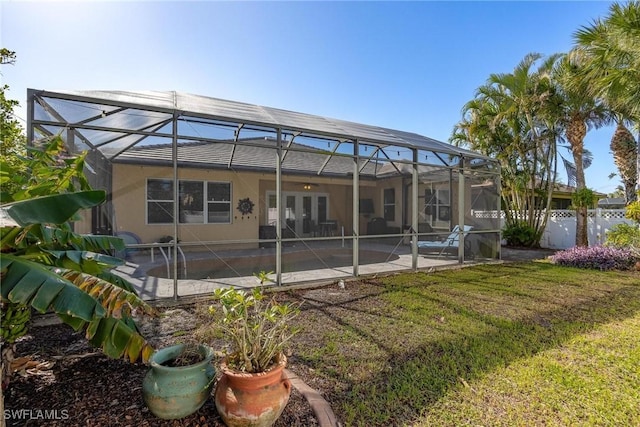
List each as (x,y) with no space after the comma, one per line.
(597,257)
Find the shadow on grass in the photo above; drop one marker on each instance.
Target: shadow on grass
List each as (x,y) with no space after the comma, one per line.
(398,392)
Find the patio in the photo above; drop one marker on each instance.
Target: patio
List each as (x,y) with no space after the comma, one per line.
(309,263)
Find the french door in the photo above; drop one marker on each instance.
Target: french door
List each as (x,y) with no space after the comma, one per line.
(301,212)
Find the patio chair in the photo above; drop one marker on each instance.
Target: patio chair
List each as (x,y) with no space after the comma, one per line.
(451,243)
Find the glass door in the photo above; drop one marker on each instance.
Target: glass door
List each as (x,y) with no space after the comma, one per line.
(292,221)
(301,213)
(308,225)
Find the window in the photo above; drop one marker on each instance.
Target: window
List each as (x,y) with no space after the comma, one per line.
(389,206)
(437,207)
(159,201)
(191,196)
(219,202)
(192,208)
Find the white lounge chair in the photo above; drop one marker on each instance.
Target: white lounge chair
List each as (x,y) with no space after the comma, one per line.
(451,243)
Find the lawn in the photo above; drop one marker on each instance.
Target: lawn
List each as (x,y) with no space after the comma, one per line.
(509,344)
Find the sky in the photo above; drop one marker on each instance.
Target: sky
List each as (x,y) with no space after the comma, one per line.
(402,65)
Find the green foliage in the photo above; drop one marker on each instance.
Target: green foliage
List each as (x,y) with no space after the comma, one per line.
(263,277)
(512,119)
(14,321)
(12,141)
(54,209)
(611,47)
(257,329)
(47,169)
(40,269)
(46,266)
(520,234)
(624,236)
(583,198)
(633,211)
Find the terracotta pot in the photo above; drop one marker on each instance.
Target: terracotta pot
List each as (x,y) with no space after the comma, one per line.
(176,392)
(252,400)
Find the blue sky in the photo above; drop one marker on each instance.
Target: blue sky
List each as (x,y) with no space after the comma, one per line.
(402,65)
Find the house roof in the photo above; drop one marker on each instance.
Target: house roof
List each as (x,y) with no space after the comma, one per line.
(259,154)
(115,121)
(559,188)
(255,154)
(608,202)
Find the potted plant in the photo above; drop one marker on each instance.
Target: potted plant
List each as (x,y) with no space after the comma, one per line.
(253,389)
(179,380)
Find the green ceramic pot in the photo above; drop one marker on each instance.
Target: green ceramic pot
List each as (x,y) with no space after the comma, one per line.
(176,392)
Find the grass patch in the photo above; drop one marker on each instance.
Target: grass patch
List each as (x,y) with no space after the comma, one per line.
(512,344)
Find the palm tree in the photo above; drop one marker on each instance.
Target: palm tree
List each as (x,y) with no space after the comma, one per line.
(578,110)
(610,48)
(510,119)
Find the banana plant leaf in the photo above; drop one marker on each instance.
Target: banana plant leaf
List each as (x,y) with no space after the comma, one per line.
(86,242)
(88,262)
(30,283)
(55,209)
(117,302)
(116,339)
(79,256)
(117,280)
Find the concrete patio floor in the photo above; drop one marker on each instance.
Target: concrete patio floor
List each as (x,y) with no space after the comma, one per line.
(150,287)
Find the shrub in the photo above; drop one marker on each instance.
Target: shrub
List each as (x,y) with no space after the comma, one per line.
(256,327)
(519,234)
(583,198)
(633,211)
(623,236)
(596,257)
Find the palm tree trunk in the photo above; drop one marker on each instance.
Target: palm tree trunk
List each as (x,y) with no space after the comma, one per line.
(582,237)
(625,156)
(576,131)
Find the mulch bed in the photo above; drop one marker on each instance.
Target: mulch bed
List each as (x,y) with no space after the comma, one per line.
(85,388)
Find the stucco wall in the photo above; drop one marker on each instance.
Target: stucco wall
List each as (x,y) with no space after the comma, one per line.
(129,204)
(129,201)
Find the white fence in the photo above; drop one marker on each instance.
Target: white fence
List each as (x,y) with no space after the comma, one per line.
(560,232)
